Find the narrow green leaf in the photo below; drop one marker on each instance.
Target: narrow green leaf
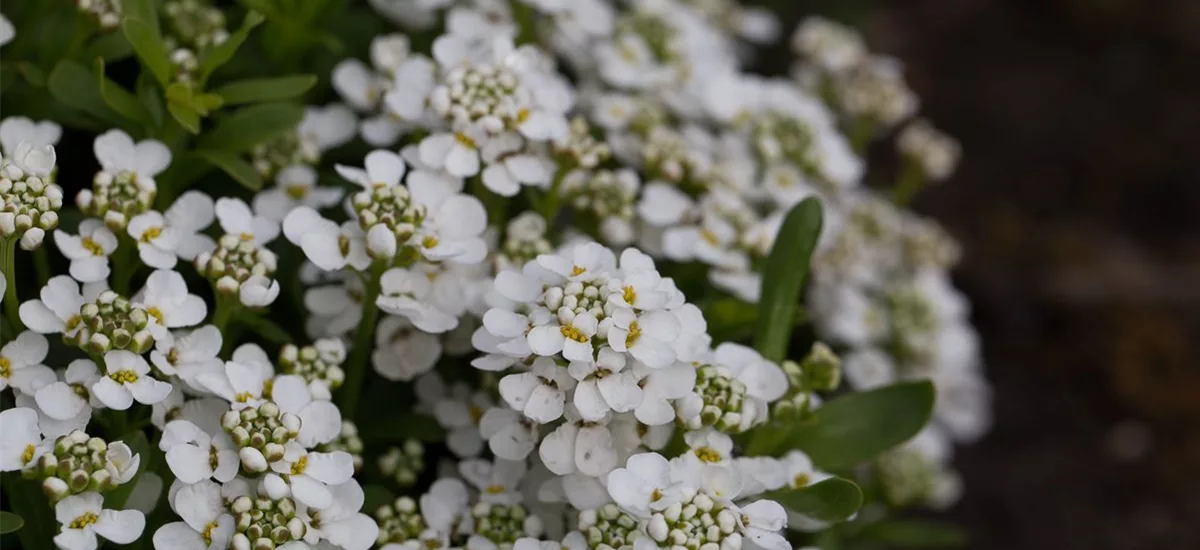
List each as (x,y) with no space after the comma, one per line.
(110,46)
(120,100)
(257,90)
(27,500)
(783,278)
(221,54)
(149,48)
(834,499)
(10,522)
(855,427)
(149,95)
(268,329)
(186,117)
(139,445)
(145,10)
(252,125)
(916,533)
(75,86)
(401,427)
(238,169)
(33,74)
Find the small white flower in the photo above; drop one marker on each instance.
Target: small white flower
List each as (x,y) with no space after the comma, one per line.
(187,354)
(381,168)
(15,129)
(497,481)
(604,386)
(309,476)
(195,455)
(573,338)
(508,168)
(407,293)
(510,435)
(645,484)
(21,440)
(579,446)
(647,337)
(83,519)
(163,238)
(242,380)
(357,84)
(206,523)
(89,251)
(341,524)
(401,351)
(62,400)
(455,152)
(659,388)
(117,153)
(539,393)
(37,160)
(295,186)
(236,218)
(128,380)
(21,362)
(334,309)
(320,419)
(167,301)
(326,244)
(761,521)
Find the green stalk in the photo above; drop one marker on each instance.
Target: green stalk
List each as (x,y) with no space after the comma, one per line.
(226,306)
(356,365)
(550,202)
(8,264)
(123,264)
(41,264)
(910,182)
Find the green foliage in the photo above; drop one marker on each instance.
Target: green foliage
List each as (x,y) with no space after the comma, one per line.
(783,278)
(10,522)
(149,48)
(75,86)
(400,427)
(231,164)
(252,125)
(834,499)
(856,427)
(915,533)
(257,90)
(221,54)
(119,100)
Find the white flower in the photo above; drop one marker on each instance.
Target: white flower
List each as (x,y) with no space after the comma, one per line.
(659,388)
(21,440)
(868,368)
(166,300)
(455,152)
(117,153)
(308,476)
(381,168)
(15,129)
(83,518)
(761,521)
(334,309)
(510,435)
(242,380)
(508,168)
(163,238)
(572,338)
(326,244)
(401,351)
(236,218)
(539,393)
(195,455)
(497,481)
(58,308)
(121,463)
(206,524)
(258,291)
(647,337)
(128,380)
(295,186)
(763,379)
(604,386)
(454,227)
(89,251)
(21,362)
(407,293)
(61,400)
(579,446)
(356,84)
(187,354)
(327,127)
(341,524)
(320,420)
(645,484)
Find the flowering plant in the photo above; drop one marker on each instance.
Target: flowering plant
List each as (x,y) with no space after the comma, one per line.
(493,274)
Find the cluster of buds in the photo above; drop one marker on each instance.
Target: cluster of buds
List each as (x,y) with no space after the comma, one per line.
(106,12)
(391,206)
(659,34)
(112,322)
(405,463)
(933,151)
(399,521)
(185,64)
(524,241)
(724,400)
(349,442)
(285,150)
(262,433)
(584,150)
(483,93)
(608,528)
(913,323)
(819,371)
(668,156)
(875,91)
(80,463)
(264,524)
(907,477)
(504,524)
(779,137)
(117,198)
(195,24)
(235,261)
(603,193)
(698,521)
(321,362)
(30,205)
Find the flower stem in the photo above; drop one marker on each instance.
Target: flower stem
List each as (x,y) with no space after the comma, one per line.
(909,183)
(550,201)
(41,264)
(123,265)
(8,264)
(356,365)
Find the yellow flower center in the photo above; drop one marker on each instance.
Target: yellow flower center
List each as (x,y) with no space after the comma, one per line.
(28,454)
(157,314)
(710,237)
(300,465)
(85,520)
(173,356)
(656,495)
(801,480)
(151,234)
(476,414)
(268,387)
(73,323)
(344,245)
(243,397)
(214,459)
(296,191)
(629,295)
(246,237)
(522,115)
(5,367)
(708,454)
(465,140)
(577,270)
(495,489)
(573,333)
(208,532)
(635,332)
(124,376)
(429,241)
(92,246)
(433,544)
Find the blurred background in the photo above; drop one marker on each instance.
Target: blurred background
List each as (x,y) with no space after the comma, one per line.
(1078,206)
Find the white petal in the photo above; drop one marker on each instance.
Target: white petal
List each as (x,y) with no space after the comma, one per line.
(39,318)
(59,401)
(189,463)
(149,391)
(590,403)
(594,452)
(311,492)
(112,394)
(320,422)
(358,532)
(384,167)
(120,526)
(331,468)
(178,536)
(545,404)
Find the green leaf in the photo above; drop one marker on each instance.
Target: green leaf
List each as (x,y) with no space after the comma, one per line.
(10,522)
(221,54)
(916,533)
(238,169)
(110,46)
(74,85)
(145,10)
(33,74)
(834,499)
(401,427)
(139,445)
(252,125)
(149,95)
(783,278)
(27,501)
(149,48)
(120,100)
(375,496)
(257,90)
(186,117)
(855,427)
(268,329)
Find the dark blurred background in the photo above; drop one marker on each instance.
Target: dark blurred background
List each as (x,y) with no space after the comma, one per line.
(1078,205)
